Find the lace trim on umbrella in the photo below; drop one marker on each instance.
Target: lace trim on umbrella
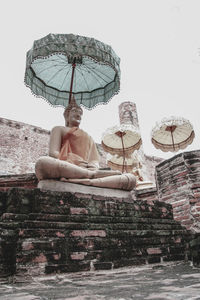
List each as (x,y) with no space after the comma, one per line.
(170,122)
(122,128)
(66,99)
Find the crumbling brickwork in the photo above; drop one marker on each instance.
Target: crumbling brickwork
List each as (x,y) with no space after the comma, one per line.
(21,145)
(49,232)
(178,183)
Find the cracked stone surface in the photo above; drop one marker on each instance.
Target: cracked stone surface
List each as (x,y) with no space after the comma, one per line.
(150,282)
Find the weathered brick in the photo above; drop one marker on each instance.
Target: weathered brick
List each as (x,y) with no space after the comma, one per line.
(83,233)
(154,251)
(78,255)
(78,211)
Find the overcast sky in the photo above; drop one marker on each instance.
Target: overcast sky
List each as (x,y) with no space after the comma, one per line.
(158,42)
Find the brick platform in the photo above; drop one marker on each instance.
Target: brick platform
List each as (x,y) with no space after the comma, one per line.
(28,181)
(46,232)
(178,183)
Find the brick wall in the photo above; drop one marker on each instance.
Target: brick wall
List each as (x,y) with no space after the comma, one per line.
(178,183)
(21,145)
(44,232)
(28,181)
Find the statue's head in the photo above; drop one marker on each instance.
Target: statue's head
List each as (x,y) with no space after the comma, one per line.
(73,114)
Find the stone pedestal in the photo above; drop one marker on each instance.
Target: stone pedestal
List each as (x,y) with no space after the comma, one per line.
(59,186)
(48,232)
(144,185)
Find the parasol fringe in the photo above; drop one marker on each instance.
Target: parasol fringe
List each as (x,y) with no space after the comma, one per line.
(60,105)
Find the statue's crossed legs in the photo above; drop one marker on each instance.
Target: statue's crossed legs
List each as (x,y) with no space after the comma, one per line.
(51,168)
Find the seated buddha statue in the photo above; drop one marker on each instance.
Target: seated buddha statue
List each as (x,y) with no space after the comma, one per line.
(73,157)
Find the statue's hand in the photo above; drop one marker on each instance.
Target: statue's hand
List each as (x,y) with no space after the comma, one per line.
(91,167)
(84,164)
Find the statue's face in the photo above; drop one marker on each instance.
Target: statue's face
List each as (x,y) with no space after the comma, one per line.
(74,117)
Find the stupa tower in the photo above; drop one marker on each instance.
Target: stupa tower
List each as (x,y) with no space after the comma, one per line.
(128,115)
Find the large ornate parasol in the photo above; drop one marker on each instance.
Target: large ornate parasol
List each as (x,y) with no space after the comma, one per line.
(121,140)
(61,65)
(172,134)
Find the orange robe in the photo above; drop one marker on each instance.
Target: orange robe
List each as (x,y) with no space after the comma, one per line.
(78,147)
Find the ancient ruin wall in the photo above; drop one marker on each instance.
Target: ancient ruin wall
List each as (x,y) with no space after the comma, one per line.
(21,145)
(178,183)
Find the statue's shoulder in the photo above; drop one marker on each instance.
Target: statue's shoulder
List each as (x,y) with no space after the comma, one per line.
(87,135)
(59,130)
(84,133)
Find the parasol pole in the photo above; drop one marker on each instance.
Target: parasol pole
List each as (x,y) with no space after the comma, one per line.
(72,79)
(121,134)
(123,154)
(124,167)
(172,139)
(171,129)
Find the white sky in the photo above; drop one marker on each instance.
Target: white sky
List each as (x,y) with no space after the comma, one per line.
(158,42)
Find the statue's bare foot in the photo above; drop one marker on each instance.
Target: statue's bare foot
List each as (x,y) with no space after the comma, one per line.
(64,179)
(105,173)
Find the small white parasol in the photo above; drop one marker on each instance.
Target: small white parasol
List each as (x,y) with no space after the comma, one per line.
(119,163)
(121,140)
(172,134)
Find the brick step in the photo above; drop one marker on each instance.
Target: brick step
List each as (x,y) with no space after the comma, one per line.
(6,217)
(63,255)
(62,233)
(83,231)
(35,201)
(96,212)
(94,226)
(31,250)
(88,243)
(63,210)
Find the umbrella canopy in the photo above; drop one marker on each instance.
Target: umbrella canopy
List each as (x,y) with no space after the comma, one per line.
(121,140)
(61,65)
(172,134)
(119,163)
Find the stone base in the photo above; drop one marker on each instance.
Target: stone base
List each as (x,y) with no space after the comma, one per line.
(45,232)
(145,185)
(60,186)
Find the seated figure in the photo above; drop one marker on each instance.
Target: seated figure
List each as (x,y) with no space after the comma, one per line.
(73,157)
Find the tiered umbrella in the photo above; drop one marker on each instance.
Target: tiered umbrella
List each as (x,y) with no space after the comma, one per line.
(59,66)
(172,134)
(121,140)
(119,163)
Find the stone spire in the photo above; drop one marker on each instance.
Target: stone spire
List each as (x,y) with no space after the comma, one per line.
(128,115)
